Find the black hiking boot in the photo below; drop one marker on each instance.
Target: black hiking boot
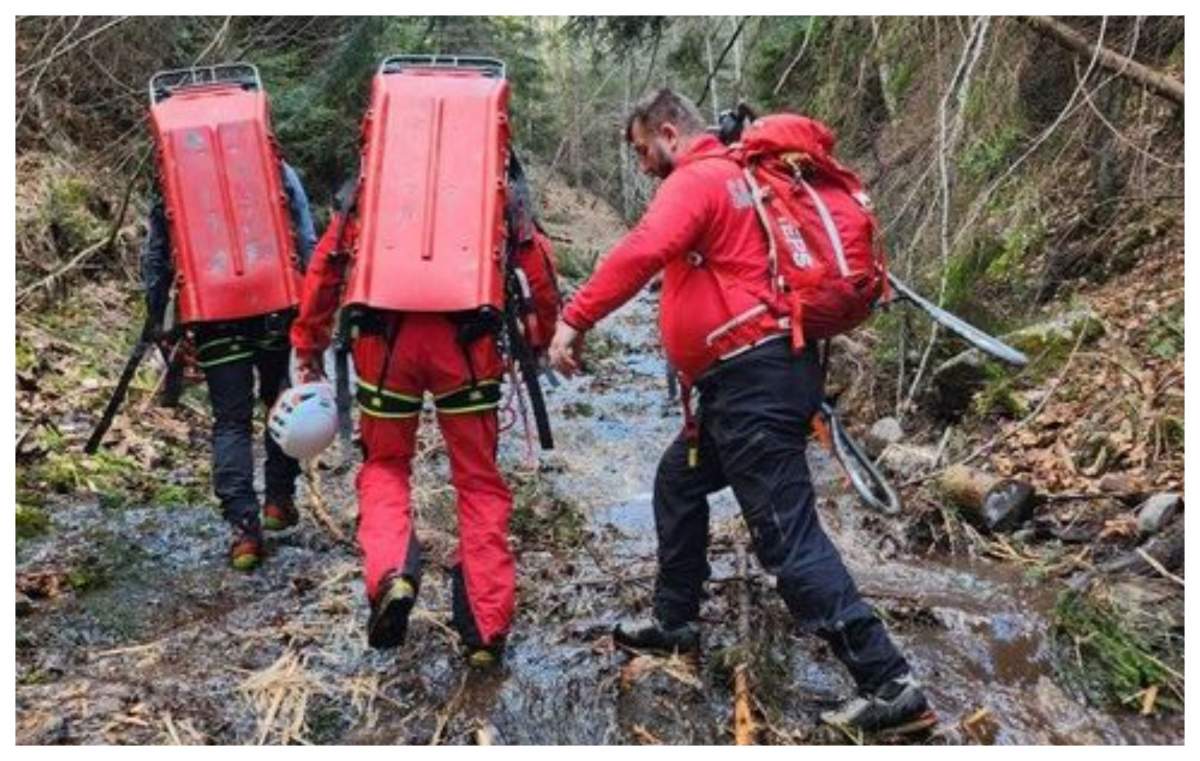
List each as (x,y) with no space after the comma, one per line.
(388,623)
(652,636)
(897,708)
(484,657)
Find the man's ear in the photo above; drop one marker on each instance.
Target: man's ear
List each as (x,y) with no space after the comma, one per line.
(670,133)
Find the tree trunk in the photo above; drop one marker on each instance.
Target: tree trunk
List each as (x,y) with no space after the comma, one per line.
(712,75)
(626,190)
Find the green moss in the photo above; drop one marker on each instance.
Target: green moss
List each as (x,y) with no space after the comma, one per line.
(175,494)
(31,521)
(27,358)
(578,409)
(1000,397)
(89,577)
(69,215)
(1106,656)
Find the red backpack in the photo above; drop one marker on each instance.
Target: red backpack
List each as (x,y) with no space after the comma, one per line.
(827,265)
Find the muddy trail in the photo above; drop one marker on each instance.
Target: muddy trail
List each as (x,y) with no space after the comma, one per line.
(143,635)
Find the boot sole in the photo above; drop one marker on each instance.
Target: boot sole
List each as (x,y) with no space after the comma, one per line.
(270,524)
(390,628)
(245,562)
(690,656)
(665,652)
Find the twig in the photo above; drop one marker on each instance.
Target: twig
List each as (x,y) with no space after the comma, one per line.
(41,418)
(217,39)
(449,711)
(653,56)
(170,725)
(941,450)
(1158,566)
(803,46)
(721,59)
(128,649)
(78,258)
(58,53)
(947,142)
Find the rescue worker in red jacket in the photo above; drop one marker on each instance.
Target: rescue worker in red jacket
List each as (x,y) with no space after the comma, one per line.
(398,357)
(756,400)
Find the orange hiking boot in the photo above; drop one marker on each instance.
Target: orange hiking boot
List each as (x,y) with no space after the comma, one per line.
(246,552)
(279,515)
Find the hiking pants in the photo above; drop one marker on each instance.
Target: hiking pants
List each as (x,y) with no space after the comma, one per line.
(229,353)
(425,354)
(753,416)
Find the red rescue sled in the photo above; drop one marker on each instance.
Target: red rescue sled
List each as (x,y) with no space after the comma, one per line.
(227,213)
(431,203)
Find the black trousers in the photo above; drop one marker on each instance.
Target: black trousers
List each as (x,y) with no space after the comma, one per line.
(754,413)
(230,353)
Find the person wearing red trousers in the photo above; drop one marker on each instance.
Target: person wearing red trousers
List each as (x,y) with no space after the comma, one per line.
(398,357)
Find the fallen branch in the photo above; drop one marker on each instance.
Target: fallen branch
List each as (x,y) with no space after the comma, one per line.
(1158,83)
(320,512)
(1158,566)
(743,719)
(75,262)
(448,712)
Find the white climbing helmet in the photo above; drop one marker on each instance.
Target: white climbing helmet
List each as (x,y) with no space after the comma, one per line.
(304,420)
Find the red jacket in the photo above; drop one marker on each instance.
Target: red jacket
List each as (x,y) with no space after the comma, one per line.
(319,299)
(701,229)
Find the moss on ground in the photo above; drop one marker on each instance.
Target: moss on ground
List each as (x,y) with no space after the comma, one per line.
(1109,657)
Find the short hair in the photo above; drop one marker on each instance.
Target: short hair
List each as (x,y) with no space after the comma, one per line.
(663,106)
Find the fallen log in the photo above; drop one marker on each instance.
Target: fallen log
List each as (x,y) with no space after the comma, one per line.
(1158,83)
(987,502)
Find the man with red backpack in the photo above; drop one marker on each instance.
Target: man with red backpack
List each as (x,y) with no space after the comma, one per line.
(411,336)
(727,323)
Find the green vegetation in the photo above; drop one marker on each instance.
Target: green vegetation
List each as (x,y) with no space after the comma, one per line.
(541,517)
(73,214)
(31,521)
(575,263)
(1166,333)
(990,154)
(1112,659)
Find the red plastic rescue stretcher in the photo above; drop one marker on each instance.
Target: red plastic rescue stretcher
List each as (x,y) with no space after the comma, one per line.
(223,194)
(431,202)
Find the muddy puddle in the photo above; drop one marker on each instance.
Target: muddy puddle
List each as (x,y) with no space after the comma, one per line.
(153,640)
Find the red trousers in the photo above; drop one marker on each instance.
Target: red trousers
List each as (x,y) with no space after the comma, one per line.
(426,355)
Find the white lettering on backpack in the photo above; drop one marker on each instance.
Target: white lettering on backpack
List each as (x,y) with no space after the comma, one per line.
(796,245)
(739,193)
